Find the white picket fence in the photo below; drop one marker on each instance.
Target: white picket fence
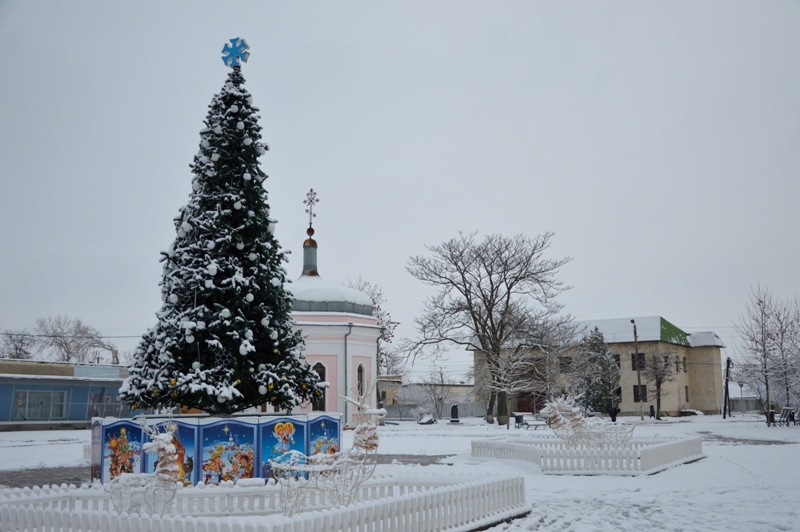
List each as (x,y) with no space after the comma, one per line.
(638,457)
(387,503)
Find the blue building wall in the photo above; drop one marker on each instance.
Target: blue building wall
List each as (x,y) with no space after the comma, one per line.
(59,399)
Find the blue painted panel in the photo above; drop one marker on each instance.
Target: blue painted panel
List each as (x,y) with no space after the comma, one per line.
(278,436)
(324,435)
(185,441)
(228,449)
(6,400)
(122,449)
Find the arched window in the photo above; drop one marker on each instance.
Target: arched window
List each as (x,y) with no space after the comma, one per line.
(318,402)
(360,382)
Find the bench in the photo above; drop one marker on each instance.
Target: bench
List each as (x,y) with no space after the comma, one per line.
(786,418)
(527,420)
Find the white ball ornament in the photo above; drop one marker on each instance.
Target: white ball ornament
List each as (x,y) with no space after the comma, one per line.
(204,160)
(249,100)
(186,226)
(248,334)
(240,126)
(181,233)
(195,185)
(248,141)
(251,213)
(262,390)
(261,367)
(237,205)
(212,269)
(201,325)
(252,256)
(247,177)
(209,283)
(215,157)
(211,244)
(225,313)
(243,349)
(205,143)
(261,150)
(271,228)
(239,246)
(249,298)
(195,365)
(189,339)
(234,108)
(265,322)
(273,335)
(275,282)
(218,130)
(220,399)
(173,298)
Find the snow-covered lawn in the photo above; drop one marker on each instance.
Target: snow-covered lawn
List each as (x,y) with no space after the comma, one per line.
(749,480)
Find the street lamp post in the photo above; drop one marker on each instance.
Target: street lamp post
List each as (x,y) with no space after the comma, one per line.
(638,370)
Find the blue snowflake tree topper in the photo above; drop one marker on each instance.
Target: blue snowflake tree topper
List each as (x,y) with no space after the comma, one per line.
(235,52)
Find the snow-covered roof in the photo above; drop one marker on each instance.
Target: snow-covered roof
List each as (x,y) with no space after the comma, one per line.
(313,293)
(705,338)
(618,330)
(650,329)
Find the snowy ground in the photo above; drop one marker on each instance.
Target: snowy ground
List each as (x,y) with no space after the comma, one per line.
(749,480)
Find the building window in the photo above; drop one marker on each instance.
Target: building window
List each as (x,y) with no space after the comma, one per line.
(687,393)
(618,394)
(383,395)
(640,393)
(40,405)
(318,402)
(360,381)
(617,360)
(685,365)
(640,358)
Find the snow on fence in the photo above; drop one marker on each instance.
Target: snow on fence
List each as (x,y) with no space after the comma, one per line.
(637,457)
(387,503)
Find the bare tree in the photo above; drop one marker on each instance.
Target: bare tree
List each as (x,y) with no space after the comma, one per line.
(388,361)
(19,344)
(769,353)
(491,294)
(70,340)
(785,319)
(438,388)
(659,368)
(757,341)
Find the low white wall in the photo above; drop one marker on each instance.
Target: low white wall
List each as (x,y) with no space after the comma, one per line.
(388,503)
(638,457)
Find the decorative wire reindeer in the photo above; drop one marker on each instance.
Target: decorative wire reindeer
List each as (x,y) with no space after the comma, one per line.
(577,430)
(130,492)
(340,474)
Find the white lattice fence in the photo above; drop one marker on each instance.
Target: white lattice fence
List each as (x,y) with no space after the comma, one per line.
(557,457)
(386,503)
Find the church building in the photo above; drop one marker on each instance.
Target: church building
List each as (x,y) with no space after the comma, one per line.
(341,336)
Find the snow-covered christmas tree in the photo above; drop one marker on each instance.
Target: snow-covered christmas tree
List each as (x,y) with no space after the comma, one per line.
(223,341)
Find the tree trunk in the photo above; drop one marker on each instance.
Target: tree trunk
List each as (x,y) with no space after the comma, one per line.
(502,408)
(769,404)
(490,408)
(658,402)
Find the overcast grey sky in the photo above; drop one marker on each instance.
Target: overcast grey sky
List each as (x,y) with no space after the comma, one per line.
(660,141)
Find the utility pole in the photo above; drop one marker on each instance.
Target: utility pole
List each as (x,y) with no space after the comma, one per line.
(726,401)
(638,371)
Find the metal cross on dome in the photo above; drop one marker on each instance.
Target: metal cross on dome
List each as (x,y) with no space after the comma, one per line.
(310,201)
(234,52)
